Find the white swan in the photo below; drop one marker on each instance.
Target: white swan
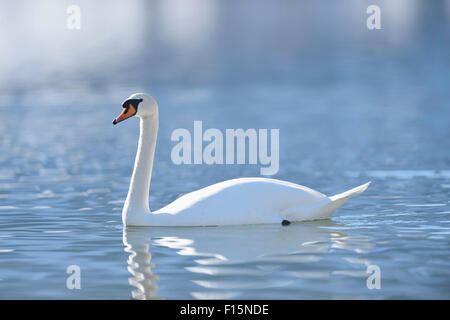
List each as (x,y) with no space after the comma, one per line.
(231,202)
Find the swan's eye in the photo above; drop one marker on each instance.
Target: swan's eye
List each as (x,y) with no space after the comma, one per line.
(129,110)
(132,102)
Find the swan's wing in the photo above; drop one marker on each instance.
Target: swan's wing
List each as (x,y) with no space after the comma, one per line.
(245,196)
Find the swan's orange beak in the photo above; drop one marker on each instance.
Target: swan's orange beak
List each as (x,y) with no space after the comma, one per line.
(128,111)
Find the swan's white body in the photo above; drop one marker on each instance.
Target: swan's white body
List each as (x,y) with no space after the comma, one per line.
(231,202)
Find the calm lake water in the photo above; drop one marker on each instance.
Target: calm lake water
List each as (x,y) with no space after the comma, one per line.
(350,108)
(64,178)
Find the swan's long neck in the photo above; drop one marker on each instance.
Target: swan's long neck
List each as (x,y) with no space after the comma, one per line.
(136,203)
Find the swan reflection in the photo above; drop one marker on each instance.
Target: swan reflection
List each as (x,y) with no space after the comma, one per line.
(137,244)
(220,262)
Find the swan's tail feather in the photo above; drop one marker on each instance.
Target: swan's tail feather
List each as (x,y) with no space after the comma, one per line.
(339,199)
(323,209)
(350,193)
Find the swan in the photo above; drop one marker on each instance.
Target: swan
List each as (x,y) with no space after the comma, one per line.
(232,202)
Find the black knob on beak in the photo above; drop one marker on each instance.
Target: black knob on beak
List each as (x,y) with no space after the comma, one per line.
(114,121)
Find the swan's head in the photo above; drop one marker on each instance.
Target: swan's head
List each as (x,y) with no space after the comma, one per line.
(138,104)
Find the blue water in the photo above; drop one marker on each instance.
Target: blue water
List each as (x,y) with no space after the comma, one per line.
(351,107)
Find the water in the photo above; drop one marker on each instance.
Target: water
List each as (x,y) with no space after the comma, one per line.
(348,112)
(64,178)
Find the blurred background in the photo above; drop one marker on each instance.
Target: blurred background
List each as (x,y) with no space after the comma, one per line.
(207,43)
(284,63)
(352,105)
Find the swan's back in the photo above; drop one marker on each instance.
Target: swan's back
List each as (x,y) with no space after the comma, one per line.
(240,201)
